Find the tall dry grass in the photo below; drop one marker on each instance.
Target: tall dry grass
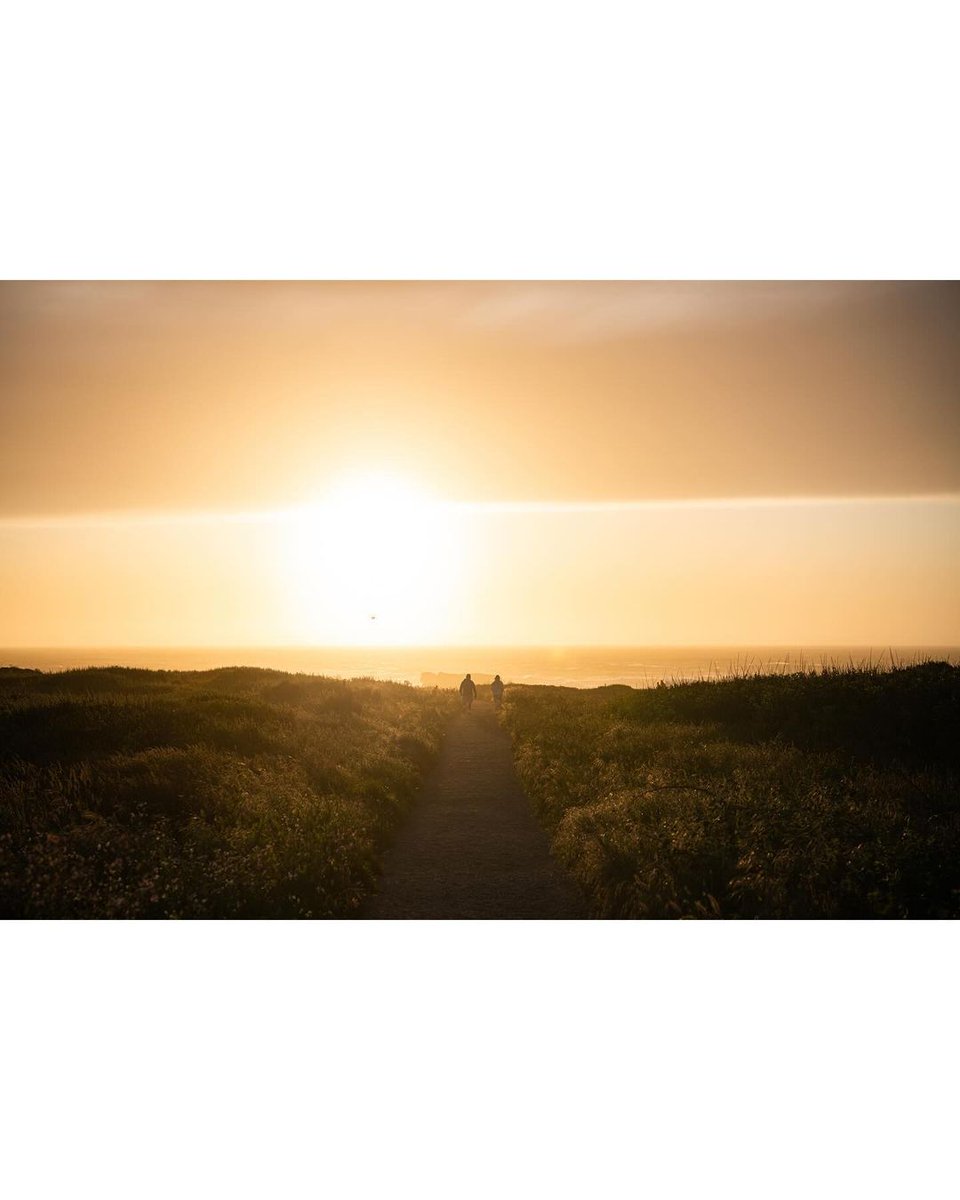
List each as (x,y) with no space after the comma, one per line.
(827,794)
(231,793)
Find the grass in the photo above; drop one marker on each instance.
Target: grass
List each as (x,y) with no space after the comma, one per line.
(829,794)
(231,793)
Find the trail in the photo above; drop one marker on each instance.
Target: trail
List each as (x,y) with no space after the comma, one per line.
(472,848)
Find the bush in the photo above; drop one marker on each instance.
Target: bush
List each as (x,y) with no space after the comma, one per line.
(819,795)
(234,793)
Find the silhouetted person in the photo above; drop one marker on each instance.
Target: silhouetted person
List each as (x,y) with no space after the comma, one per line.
(468,692)
(497,689)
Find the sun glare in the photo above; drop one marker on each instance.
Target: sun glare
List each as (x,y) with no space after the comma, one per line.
(373,560)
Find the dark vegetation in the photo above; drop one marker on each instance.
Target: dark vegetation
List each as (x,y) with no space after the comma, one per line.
(230,793)
(832,794)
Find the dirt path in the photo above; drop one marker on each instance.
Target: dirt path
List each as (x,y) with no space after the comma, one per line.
(472,847)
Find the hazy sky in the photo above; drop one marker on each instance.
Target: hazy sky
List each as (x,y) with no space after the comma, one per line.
(184,401)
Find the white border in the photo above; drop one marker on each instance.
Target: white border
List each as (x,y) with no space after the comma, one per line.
(521,140)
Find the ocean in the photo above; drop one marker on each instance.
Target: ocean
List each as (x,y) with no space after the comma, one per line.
(568,666)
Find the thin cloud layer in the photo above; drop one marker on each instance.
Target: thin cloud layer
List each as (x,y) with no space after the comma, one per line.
(251,396)
(549,311)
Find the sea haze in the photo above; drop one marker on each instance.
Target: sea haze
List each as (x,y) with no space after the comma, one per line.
(570,666)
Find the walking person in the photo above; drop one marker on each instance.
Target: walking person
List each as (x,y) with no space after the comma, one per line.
(468,692)
(496,689)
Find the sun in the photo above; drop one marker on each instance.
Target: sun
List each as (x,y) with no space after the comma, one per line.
(374,560)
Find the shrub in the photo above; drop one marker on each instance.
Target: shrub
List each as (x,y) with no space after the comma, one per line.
(234,793)
(821,795)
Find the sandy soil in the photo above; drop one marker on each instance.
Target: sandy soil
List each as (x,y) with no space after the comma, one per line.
(472,848)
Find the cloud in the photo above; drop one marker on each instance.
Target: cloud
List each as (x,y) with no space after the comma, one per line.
(545,311)
(174,517)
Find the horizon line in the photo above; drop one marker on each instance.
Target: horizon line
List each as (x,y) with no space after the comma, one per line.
(883,646)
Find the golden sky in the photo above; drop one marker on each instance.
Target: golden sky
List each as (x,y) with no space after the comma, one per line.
(580,463)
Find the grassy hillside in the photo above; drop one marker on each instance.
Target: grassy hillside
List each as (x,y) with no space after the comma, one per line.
(819,795)
(229,793)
